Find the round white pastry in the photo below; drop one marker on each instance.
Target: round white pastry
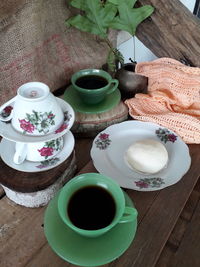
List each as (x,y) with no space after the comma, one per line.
(147,156)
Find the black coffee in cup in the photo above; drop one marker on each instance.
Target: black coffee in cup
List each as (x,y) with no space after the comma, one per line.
(91,82)
(91,208)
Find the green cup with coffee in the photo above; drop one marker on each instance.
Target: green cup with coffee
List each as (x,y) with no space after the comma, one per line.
(91,204)
(93,85)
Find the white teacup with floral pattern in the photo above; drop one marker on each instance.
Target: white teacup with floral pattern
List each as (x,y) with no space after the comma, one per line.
(34,111)
(39,151)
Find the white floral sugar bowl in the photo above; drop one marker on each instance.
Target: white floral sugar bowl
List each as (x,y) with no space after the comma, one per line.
(34,110)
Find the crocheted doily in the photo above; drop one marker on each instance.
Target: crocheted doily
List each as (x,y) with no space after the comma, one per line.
(173,98)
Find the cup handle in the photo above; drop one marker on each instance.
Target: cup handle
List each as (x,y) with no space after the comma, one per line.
(20,153)
(7,118)
(130,214)
(115,83)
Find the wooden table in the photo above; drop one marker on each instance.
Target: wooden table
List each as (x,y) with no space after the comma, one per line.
(168,231)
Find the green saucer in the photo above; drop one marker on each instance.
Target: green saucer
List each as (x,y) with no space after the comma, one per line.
(75,101)
(84,251)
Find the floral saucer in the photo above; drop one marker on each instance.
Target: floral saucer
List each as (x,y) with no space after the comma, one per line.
(84,251)
(7,150)
(8,132)
(109,147)
(74,100)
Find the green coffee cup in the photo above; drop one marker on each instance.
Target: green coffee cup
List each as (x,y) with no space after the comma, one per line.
(92,204)
(93,85)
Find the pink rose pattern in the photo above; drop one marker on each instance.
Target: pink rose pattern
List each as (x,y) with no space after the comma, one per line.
(46,151)
(50,147)
(149,182)
(103,141)
(67,118)
(62,128)
(47,163)
(6,111)
(103,136)
(141,184)
(50,115)
(165,135)
(26,126)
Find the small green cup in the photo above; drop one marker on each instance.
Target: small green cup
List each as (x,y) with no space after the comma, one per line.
(100,85)
(123,213)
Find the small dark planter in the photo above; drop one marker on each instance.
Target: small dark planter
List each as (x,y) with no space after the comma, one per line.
(131,83)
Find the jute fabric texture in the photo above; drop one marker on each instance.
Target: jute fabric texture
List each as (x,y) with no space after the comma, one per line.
(37,46)
(173,98)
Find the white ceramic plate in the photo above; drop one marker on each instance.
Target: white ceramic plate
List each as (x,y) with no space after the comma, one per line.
(110,145)
(7,150)
(8,132)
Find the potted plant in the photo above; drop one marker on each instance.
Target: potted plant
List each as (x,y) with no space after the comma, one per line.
(99,16)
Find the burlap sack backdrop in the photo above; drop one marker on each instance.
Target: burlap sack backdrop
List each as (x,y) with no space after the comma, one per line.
(36,46)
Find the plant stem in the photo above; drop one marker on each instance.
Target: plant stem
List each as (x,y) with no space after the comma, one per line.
(111,47)
(113,50)
(134,48)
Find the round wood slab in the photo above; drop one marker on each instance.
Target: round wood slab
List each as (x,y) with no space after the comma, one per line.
(42,197)
(26,182)
(89,125)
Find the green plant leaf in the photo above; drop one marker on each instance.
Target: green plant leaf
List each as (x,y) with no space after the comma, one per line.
(129,18)
(115,2)
(81,4)
(96,19)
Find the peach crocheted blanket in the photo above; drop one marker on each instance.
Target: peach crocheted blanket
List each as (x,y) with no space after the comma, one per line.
(173,98)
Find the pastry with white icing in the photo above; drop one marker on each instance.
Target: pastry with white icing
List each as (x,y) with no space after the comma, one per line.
(147,156)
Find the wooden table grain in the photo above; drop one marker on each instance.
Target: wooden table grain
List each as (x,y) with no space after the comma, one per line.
(168,231)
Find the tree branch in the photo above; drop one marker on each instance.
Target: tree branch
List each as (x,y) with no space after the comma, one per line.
(171,31)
